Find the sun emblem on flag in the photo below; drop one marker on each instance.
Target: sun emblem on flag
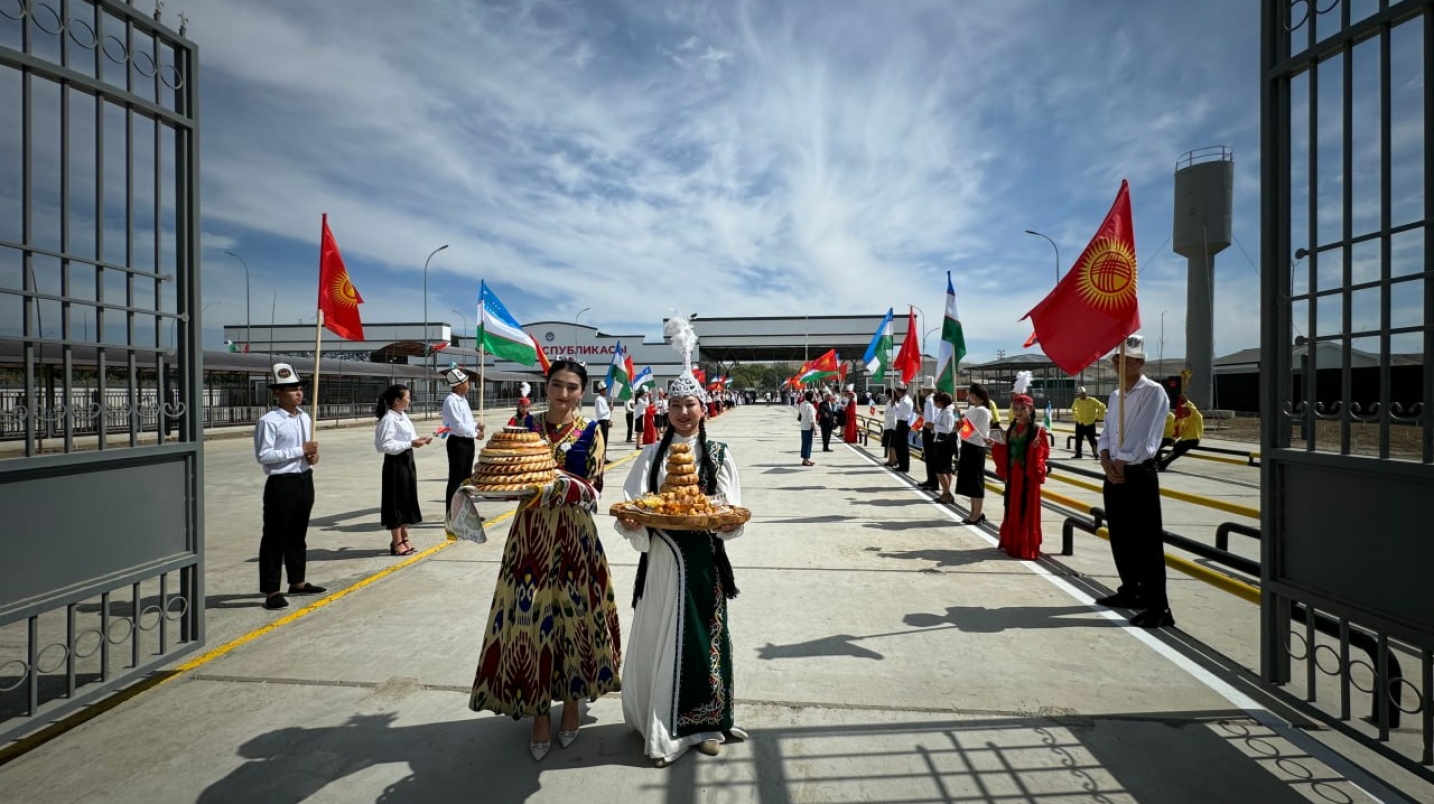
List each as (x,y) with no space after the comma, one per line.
(341,290)
(1107,274)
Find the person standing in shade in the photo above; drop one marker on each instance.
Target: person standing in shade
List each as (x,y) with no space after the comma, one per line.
(396,439)
(552,632)
(1132,490)
(1189,429)
(1086,410)
(928,434)
(463,432)
(806,422)
(971,465)
(285,448)
(901,438)
(677,680)
(602,411)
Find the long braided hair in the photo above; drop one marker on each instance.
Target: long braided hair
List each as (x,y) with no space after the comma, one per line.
(707,481)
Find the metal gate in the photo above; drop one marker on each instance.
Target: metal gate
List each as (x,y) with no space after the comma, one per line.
(1347,179)
(102,575)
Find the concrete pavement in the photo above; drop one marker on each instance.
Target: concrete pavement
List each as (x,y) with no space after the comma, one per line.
(882,652)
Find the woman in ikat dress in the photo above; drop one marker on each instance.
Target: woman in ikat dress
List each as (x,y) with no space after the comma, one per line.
(552,633)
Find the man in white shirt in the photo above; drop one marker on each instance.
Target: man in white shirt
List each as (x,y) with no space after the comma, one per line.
(602,412)
(1132,489)
(285,448)
(463,432)
(928,432)
(901,440)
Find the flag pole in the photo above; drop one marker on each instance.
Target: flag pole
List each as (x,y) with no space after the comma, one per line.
(318,354)
(1120,383)
(482,366)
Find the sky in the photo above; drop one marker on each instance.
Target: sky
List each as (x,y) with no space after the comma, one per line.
(729,157)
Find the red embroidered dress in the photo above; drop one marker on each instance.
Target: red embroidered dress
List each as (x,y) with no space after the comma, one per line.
(1021,463)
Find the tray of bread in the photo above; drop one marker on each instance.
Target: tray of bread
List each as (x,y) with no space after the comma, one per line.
(514,463)
(679,503)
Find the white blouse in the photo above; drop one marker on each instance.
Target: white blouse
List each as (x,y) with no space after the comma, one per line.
(945,420)
(394,434)
(980,419)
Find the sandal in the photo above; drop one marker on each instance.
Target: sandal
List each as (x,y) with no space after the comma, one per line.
(396,549)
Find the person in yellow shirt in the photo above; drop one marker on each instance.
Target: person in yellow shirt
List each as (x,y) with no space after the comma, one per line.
(1086,410)
(1188,427)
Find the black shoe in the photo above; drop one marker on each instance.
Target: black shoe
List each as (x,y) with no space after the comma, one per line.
(276,601)
(1120,601)
(1078,456)
(1153,618)
(307,589)
(980,520)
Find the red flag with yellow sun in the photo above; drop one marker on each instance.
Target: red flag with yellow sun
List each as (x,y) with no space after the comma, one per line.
(1093,307)
(338,298)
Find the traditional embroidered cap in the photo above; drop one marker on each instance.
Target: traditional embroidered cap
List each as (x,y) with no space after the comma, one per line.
(282,375)
(456,376)
(683,341)
(601,385)
(1134,348)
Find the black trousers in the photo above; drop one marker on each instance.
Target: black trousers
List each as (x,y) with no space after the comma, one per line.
(606,425)
(928,456)
(901,441)
(826,438)
(1136,542)
(460,466)
(1085,432)
(629,425)
(288,499)
(1181,447)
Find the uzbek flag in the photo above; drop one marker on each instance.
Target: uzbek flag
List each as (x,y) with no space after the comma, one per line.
(953,343)
(499,333)
(878,352)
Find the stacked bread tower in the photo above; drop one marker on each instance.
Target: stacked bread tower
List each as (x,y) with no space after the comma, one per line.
(514,460)
(679,494)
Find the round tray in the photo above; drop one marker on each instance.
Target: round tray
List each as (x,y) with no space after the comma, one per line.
(726,515)
(520,494)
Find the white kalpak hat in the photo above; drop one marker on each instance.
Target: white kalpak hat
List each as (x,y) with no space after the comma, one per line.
(683,342)
(928,384)
(282,375)
(1134,348)
(456,376)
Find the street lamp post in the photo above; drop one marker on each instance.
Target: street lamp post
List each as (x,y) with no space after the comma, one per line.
(462,315)
(248,328)
(575,329)
(1054,246)
(429,404)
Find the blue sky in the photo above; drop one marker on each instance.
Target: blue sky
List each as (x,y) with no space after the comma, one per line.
(726,157)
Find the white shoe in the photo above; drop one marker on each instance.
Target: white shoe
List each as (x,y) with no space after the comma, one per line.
(539,750)
(566,738)
(737,735)
(710,747)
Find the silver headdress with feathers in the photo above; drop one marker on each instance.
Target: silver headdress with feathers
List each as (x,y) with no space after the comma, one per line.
(1023,382)
(683,341)
(524,390)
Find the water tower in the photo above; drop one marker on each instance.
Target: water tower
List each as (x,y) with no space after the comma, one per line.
(1204,192)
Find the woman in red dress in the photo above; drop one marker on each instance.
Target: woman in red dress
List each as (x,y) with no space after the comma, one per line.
(849,428)
(1020,460)
(649,426)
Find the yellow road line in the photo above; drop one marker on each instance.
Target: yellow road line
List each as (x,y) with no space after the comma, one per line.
(1208,502)
(1219,580)
(27,744)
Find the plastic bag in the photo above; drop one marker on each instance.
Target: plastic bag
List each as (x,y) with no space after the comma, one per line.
(464,521)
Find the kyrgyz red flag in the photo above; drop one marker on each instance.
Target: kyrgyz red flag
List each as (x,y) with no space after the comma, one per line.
(338,298)
(908,360)
(1093,307)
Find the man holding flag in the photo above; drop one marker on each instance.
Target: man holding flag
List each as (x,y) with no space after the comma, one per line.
(1092,309)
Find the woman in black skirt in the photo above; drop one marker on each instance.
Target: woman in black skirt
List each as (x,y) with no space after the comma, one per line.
(396,439)
(971,465)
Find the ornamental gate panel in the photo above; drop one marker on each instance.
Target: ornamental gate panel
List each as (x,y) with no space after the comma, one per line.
(102,576)
(1347,179)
